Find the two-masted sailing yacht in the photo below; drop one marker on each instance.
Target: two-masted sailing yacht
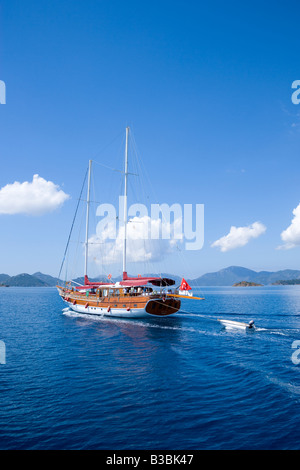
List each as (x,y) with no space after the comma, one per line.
(132,297)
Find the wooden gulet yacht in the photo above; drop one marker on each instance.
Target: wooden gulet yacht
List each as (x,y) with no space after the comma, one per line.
(132,297)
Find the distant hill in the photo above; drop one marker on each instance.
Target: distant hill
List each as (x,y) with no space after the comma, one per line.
(266,277)
(290,282)
(49,280)
(224,277)
(233,274)
(4,278)
(25,280)
(28,280)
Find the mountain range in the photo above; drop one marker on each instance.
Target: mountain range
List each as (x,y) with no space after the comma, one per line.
(233,274)
(224,277)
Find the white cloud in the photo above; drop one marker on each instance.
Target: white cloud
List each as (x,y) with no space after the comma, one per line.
(239,236)
(106,249)
(32,198)
(291,235)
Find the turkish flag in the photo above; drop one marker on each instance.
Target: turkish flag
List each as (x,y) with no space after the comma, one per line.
(184,285)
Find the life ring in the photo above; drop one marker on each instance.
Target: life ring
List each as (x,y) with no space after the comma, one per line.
(109,276)
(139,275)
(128,309)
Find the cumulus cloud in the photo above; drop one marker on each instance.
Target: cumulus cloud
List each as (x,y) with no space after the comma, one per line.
(32,198)
(142,241)
(239,236)
(291,235)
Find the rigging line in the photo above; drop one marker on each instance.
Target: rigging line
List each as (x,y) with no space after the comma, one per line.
(113,169)
(90,243)
(107,145)
(142,185)
(77,249)
(66,249)
(179,248)
(91,201)
(108,167)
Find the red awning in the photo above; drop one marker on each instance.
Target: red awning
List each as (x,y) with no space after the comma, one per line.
(130,282)
(133,283)
(141,281)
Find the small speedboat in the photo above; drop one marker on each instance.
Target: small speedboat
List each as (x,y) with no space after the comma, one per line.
(236,324)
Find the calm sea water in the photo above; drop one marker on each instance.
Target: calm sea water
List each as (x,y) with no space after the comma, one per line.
(182,382)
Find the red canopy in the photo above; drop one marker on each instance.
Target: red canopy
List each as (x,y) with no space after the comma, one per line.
(140,281)
(130,282)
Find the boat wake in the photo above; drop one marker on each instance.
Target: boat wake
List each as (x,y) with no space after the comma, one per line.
(137,322)
(230,326)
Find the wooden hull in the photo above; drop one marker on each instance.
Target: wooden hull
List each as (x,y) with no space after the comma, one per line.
(120,306)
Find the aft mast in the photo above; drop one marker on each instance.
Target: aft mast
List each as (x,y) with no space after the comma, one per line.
(87,224)
(125,205)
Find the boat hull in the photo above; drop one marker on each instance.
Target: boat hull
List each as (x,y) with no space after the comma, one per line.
(229,324)
(114,312)
(127,307)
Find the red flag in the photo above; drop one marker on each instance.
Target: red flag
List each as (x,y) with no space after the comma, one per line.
(184,285)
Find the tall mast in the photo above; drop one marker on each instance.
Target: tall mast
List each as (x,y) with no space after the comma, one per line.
(87,220)
(125,202)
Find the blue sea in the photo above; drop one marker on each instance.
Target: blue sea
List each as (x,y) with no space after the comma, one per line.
(182,382)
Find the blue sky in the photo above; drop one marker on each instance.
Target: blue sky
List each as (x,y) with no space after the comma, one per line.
(206,89)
